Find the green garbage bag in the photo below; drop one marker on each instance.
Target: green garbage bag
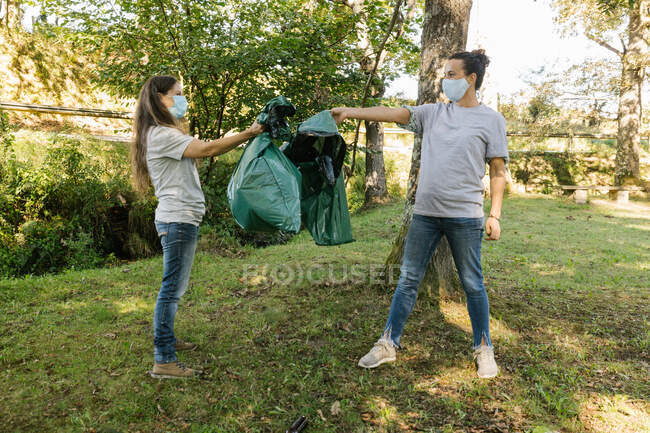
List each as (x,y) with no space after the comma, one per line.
(318,150)
(264,189)
(326,215)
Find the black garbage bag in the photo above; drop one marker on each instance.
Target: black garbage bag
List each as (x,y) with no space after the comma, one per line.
(318,150)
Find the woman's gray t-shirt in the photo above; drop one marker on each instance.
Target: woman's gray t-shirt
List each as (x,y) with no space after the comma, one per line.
(175,179)
(456,143)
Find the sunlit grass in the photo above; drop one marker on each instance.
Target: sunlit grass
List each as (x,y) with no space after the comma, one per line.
(569,321)
(615,413)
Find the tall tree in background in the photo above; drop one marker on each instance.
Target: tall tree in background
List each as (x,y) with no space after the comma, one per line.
(372,21)
(444,32)
(591,87)
(11,13)
(232,56)
(622,27)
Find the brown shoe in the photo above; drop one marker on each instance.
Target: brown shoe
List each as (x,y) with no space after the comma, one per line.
(184,345)
(173,370)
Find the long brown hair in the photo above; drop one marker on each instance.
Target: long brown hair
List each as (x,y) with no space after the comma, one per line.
(149,111)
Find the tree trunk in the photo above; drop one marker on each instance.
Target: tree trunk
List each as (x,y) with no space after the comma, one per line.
(634,59)
(376,191)
(13,14)
(444,33)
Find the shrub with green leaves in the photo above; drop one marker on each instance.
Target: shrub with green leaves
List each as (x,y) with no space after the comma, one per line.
(67,212)
(356,190)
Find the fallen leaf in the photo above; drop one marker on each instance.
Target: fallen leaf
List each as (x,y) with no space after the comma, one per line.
(320,414)
(335,410)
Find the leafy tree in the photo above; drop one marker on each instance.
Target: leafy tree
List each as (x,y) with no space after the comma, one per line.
(541,106)
(385,48)
(232,56)
(594,86)
(591,87)
(622,27)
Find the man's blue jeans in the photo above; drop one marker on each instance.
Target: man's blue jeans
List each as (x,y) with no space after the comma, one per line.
(424,234)
(178,241)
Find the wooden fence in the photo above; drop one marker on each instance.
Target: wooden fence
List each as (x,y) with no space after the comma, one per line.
(400,138)
(66,111)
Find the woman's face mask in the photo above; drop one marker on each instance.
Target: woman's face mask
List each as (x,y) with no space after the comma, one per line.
(455,83)
(179,108)
(455,89)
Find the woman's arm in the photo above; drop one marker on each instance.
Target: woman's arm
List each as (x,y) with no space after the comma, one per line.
(377,114)
(201,149)
(497,186)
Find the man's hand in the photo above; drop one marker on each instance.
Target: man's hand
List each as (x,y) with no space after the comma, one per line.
(339,114)
(492,229)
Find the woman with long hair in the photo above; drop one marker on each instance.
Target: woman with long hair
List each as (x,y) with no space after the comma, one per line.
(458,138)
(163,155)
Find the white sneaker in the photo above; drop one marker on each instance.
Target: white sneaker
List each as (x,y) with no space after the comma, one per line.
(382,351)
(485,363)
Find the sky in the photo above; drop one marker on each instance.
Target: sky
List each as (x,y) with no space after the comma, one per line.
(518,36)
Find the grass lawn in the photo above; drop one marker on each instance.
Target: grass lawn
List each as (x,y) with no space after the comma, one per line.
(568,286)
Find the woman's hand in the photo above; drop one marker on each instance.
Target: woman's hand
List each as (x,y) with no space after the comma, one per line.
(339,114)
(255,129)
(492,229)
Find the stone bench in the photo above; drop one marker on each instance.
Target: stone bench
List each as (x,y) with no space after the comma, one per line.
(580,192)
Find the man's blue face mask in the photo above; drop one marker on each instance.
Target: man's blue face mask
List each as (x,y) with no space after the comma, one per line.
(455,89)
(179,108)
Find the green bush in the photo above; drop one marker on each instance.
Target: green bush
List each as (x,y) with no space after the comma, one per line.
(544,171)
(217,210)
(71,205)
(356,189)
(67,212)
(48,246)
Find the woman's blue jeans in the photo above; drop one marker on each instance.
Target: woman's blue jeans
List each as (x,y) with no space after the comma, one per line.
(178,241)
(424,234)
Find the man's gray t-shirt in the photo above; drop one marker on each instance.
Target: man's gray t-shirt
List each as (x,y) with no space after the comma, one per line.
(456,143)
(175,179)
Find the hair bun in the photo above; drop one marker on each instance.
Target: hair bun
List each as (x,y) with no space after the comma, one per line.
(480,54)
